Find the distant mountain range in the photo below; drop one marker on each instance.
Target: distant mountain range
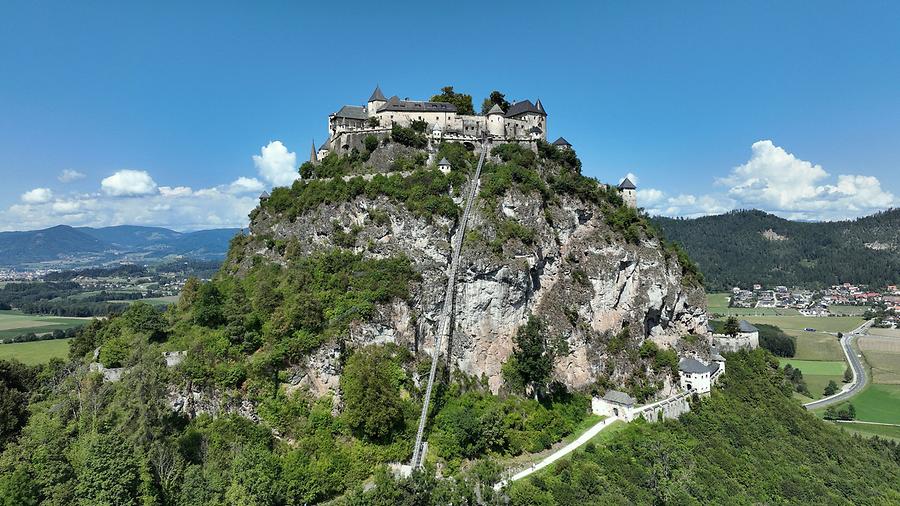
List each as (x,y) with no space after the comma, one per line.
(741,248)
(63,246)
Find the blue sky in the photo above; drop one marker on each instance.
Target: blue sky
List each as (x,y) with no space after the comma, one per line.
(156,109)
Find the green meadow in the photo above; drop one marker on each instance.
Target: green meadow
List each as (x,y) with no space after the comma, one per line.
(35,352)
(14,323)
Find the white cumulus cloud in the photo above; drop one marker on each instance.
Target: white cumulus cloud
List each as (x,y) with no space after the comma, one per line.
(128,183)
(69,175)
(630,176)
(776,181)
(175,192)
(276,164)
(245,185)
(37,196)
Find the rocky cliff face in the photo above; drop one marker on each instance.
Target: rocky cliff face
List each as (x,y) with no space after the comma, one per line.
(574,271)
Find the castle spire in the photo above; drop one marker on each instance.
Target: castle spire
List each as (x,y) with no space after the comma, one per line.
(377,95)
(312,154)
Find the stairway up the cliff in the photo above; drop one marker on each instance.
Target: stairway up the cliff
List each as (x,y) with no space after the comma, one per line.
(446,317)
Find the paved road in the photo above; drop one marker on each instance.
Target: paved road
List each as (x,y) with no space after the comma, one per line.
(859,373)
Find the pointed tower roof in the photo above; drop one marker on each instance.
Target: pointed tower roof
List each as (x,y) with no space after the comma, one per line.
(561,142)
(496,110)
(377,95)
(627,185)
(443,161)
(540,106)
(312,153)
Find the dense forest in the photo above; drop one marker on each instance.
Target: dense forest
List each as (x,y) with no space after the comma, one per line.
(63,298)
(70,438)
(741,248)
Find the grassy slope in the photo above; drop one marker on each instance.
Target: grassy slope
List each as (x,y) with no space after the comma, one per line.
(37,352)
(14,323)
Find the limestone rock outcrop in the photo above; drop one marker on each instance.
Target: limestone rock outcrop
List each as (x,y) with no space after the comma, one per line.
(573,270)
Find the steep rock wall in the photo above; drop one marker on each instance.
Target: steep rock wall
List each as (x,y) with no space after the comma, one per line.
(573,271)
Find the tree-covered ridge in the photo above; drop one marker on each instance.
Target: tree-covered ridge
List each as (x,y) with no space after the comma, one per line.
(425,192)
(749,443)
(732,250)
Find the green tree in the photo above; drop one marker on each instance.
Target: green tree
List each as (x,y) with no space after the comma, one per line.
(533,358)
(256,480)
(207,308)
(408,137)
(370,387)
(848,375)
(495,98)
(16,383)
(110,475)
(731,327)
(831,388)
(188,294)
(370,142)
(145,319)
(419,125)
(462,102)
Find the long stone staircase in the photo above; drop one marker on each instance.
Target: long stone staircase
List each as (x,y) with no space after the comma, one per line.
(446,316)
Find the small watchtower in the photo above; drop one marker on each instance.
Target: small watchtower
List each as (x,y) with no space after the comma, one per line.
(629,192)
(375,101)
(561,143)
(444,166)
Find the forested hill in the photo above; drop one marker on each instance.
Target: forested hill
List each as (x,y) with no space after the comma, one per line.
(745,247)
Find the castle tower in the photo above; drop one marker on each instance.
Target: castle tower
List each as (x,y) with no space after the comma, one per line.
(375,101)
(542,121)
(629,192)
(312,153)
(495,121)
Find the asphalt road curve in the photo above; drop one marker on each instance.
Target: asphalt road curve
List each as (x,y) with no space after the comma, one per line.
(859,373)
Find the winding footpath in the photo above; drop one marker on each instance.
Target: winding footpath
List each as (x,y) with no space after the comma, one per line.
(447,311)
(558,454)
(860,380)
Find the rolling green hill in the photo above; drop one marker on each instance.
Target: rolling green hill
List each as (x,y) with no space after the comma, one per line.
(745,247)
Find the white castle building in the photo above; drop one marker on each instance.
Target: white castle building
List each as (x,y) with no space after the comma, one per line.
(747,338)
(524,121)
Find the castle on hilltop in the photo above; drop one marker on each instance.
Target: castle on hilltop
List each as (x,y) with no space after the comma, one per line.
(523,122)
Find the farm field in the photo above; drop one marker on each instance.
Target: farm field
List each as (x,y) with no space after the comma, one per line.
(817,367)
(819,345)
(153,301)
(817,374)
(883,357)
(14,323)
(885,332)
(869,430)
(718,304)
(36,352)
(878,403)
(847,310)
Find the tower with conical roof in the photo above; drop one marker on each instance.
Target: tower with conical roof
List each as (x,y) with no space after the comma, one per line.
(375,101)
(496,121)
(312,153)
(629,192)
